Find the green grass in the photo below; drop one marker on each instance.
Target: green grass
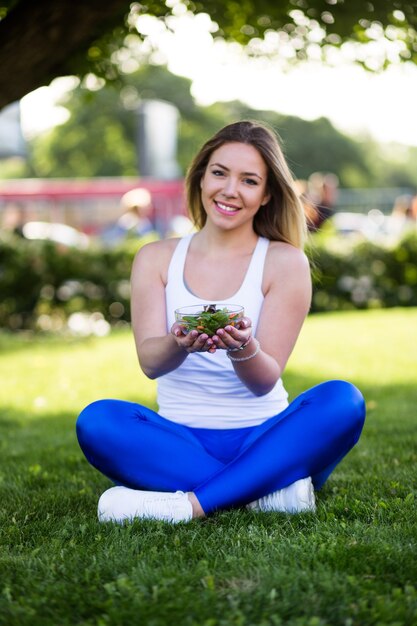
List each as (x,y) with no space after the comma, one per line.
(352,563)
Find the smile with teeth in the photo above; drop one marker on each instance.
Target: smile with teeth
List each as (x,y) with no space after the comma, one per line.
(227,208)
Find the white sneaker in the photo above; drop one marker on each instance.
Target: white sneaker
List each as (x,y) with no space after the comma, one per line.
(121,503)
(296,498)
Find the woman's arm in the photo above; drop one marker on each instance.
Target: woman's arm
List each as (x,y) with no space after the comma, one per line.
(159,352)
(287,288)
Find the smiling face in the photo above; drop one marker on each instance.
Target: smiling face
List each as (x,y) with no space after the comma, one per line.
(233,186)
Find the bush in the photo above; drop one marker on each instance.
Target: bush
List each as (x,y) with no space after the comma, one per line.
(366,276)
(41,281)
(42,284)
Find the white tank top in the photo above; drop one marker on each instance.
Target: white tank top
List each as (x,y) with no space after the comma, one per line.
(204,391)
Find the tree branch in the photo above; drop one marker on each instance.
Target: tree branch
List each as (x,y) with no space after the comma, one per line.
(38,40)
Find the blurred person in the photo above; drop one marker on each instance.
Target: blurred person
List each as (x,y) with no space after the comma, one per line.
(322,195)
(402,207)
(13,219)
(135,220)
(310,211)
(225,435)
(403,215)
(413,209)
(180,226)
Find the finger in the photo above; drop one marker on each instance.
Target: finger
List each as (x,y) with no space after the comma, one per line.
(201,339)
(177,329)
(191,338)
(209,346)
(231,334)
(201,343)
(232,338)
(245,322)
(204,343)
(218,339)
(240,336)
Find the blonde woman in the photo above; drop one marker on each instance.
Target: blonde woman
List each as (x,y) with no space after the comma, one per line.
(224,435)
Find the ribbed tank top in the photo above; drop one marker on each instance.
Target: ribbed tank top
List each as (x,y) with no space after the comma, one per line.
(204,391)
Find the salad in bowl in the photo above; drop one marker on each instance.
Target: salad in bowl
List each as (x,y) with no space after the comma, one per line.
(208,318)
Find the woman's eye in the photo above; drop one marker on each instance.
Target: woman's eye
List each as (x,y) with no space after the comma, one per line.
(250,181)
(217,172)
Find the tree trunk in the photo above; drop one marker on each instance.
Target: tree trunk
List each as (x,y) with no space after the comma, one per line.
(38,39)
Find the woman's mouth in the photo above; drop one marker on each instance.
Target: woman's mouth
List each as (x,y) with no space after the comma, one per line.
(226,209)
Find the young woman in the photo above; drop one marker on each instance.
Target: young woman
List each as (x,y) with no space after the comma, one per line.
(225,435)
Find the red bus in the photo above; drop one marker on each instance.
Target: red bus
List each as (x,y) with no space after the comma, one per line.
(89,205)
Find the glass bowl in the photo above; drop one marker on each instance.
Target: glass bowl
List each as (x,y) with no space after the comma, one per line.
(208,318)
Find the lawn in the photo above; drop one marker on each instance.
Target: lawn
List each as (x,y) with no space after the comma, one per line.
(352,563)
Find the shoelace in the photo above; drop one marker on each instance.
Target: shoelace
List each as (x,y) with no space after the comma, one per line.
(152,508)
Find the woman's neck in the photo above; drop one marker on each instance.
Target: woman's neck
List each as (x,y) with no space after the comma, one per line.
(213,239)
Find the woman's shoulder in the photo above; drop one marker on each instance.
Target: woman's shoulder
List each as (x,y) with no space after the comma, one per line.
(286,255)
(285,261)
(286,269)
(156,255)
(158,249)
(159,246)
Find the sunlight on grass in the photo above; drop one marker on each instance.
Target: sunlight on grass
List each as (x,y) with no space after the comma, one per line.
(43,377)
(371,347)
(377,347)
(353,563)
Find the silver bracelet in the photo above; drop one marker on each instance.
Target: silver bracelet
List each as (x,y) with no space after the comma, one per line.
(240,347)
(246,358)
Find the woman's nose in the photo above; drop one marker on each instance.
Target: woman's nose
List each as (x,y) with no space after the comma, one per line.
(230,187)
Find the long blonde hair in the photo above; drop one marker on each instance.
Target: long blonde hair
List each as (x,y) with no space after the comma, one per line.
(282,218)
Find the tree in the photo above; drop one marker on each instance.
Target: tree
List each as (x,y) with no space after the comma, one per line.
(99,137)
(43,40)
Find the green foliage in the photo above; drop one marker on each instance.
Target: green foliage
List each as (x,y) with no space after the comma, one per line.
(106,36)
(389,165)
(339,21)
(365,276)
(312,146)
(22,271)
(318,146)
(353,563)
(99,138)
(42,279)
(246,21)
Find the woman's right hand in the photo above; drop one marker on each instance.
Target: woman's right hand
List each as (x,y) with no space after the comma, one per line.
(192,341)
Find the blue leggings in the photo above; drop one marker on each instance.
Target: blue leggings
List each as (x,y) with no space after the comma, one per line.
(136,447)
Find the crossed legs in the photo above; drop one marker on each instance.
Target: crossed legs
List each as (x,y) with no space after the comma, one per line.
(137,448)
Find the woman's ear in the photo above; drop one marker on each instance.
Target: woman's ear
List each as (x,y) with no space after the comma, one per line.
(266,198)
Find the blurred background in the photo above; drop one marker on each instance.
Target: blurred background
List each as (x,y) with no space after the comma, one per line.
(96,135)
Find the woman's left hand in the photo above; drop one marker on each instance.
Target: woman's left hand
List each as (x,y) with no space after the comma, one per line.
(232,338)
